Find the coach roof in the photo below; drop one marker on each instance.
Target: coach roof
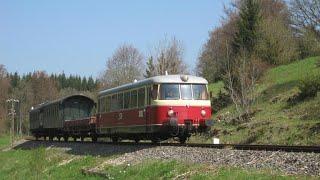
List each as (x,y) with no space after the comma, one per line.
(61,101)
(185,79)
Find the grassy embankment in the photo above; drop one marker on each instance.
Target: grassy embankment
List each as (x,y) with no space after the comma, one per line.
(51,163)
(277,122)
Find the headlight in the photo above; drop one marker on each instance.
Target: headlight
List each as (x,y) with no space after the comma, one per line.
(170,113)
(203,113)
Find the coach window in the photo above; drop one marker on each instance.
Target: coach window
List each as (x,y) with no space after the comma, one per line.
(186,92)
(120,100)
(126,100)
(141,97)
(134,99)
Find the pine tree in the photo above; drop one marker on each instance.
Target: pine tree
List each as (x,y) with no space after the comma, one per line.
(15,79)
(84,84)
(247,35)
(151,70)
(91,84)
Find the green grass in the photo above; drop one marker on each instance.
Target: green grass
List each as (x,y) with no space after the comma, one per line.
(277,121)
(4,140)
(51,163)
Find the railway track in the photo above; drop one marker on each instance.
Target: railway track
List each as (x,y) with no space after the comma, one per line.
(254,147)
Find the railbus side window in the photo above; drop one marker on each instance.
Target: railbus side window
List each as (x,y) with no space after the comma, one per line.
(108,104)
(141,97)
(134,99)
(120,100)
(148,95)
(114,102)
(126,100)
(99,105)
(154,92)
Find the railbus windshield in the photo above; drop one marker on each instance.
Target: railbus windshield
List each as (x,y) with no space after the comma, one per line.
(183,91)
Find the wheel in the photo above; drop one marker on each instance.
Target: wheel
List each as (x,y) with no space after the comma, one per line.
(50,138)
(82,139)
(45,138)
(137,140)
(59,138)
(74,139)
(115,139)
(37,138)
(65,138)
(94,139)
(155,140)
(183,139)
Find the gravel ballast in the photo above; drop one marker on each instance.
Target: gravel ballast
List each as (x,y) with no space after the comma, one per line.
(286,162)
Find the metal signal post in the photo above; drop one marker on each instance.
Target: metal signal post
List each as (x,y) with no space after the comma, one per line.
(12,113)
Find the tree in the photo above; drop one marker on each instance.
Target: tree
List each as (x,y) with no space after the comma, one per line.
(151,69)
(306,15)
(44,89)
(125,65)
(169,57)
(247,35)
(4,94)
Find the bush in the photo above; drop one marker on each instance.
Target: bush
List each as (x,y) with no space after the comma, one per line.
(219,102)
(309,86)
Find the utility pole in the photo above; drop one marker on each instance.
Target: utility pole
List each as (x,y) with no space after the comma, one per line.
(12,113)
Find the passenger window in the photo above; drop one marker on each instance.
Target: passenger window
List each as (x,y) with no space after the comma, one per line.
(120,100)
(141,97)
(126,100)
(114,102)
(154,92)
(134,99)
(148,95)
(108,102)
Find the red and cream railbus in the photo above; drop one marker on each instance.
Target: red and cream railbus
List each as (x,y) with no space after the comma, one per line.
(156,108)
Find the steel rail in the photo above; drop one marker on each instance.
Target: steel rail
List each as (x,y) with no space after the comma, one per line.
(255,147)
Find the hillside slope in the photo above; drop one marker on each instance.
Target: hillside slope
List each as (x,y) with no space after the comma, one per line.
(277,122)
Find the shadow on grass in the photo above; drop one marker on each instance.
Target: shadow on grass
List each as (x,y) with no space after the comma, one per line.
(86,148)
(277,89)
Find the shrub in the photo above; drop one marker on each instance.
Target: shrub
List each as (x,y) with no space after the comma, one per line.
(219,102)
(309,86)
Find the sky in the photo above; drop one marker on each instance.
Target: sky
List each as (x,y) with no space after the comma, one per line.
(78,36)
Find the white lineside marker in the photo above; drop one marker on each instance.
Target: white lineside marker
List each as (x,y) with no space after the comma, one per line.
(216,140)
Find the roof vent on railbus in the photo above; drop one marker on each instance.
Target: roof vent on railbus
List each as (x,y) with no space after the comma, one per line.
(184,78)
